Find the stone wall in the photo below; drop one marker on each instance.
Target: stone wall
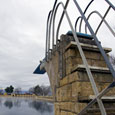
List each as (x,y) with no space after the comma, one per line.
(71,87)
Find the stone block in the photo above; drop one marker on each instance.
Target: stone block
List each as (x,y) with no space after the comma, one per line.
(73,77)
(79,107)
(71,52)
(82,89)
(72,62)
(66,113)
(68,69)
(64,81)
(57,110)
(88,54)
(68,106)
(76,89)
(58,94)
(65,92)
(63,113)
(98,77)
(98,63)
(111,92)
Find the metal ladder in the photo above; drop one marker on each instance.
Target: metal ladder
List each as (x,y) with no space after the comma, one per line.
(51,23)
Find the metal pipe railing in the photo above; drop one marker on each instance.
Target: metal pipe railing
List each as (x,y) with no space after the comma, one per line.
(66,4)
(110,4)
(53,26)
(51,17)
(85,62)
(102,20)
(106,23)
(77,23)
(96,40)
(47,34)
(84,13)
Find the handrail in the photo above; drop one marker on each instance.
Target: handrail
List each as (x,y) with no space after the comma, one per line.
(47,32)
(51,20)
(67,2)
(51,17)
(102,19)
(84,13)
(110,4)
(48,27)
(53,26)
(77,23)
(96,12)
(96,40)
(81,17)
(84,61)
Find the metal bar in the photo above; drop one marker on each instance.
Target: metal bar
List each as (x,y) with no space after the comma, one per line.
(67,2)
(102,109)
(47,29)
(96,40)
(77,23)
(53,26)
(112,6)
(84,13)
(99,96)
(51,20)
(102,19)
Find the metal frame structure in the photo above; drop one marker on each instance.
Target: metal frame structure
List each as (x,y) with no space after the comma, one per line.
(96,12)
(51,21)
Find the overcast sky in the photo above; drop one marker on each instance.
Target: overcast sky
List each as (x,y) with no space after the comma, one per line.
(22,39)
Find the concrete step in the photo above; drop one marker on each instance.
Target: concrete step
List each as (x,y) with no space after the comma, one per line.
(105,99)
(92,68)
(88,47)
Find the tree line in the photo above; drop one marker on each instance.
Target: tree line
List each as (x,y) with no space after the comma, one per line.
(37,90)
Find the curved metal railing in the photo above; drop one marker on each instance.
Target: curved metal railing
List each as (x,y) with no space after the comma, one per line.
(81,17)
(106,23)
(47,34)
(51,21)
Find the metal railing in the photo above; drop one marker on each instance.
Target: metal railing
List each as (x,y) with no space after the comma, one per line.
(51,23)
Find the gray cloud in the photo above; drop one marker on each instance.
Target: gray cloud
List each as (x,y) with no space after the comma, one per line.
(22,39)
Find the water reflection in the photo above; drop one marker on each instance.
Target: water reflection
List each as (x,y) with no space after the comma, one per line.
(41,106)
(0,102)
(8,104)
(17,103)
(27,106)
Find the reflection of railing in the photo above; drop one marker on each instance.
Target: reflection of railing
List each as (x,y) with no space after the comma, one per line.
(51,21)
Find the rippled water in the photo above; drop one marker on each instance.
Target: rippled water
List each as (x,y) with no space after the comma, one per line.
(22,106)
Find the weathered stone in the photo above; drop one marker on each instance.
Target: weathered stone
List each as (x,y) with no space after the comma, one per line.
(64,81)
(57,109)
(72,62)
(79,106)
(70,83)
(83,89)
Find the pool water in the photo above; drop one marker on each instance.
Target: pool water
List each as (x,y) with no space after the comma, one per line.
(23,106)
